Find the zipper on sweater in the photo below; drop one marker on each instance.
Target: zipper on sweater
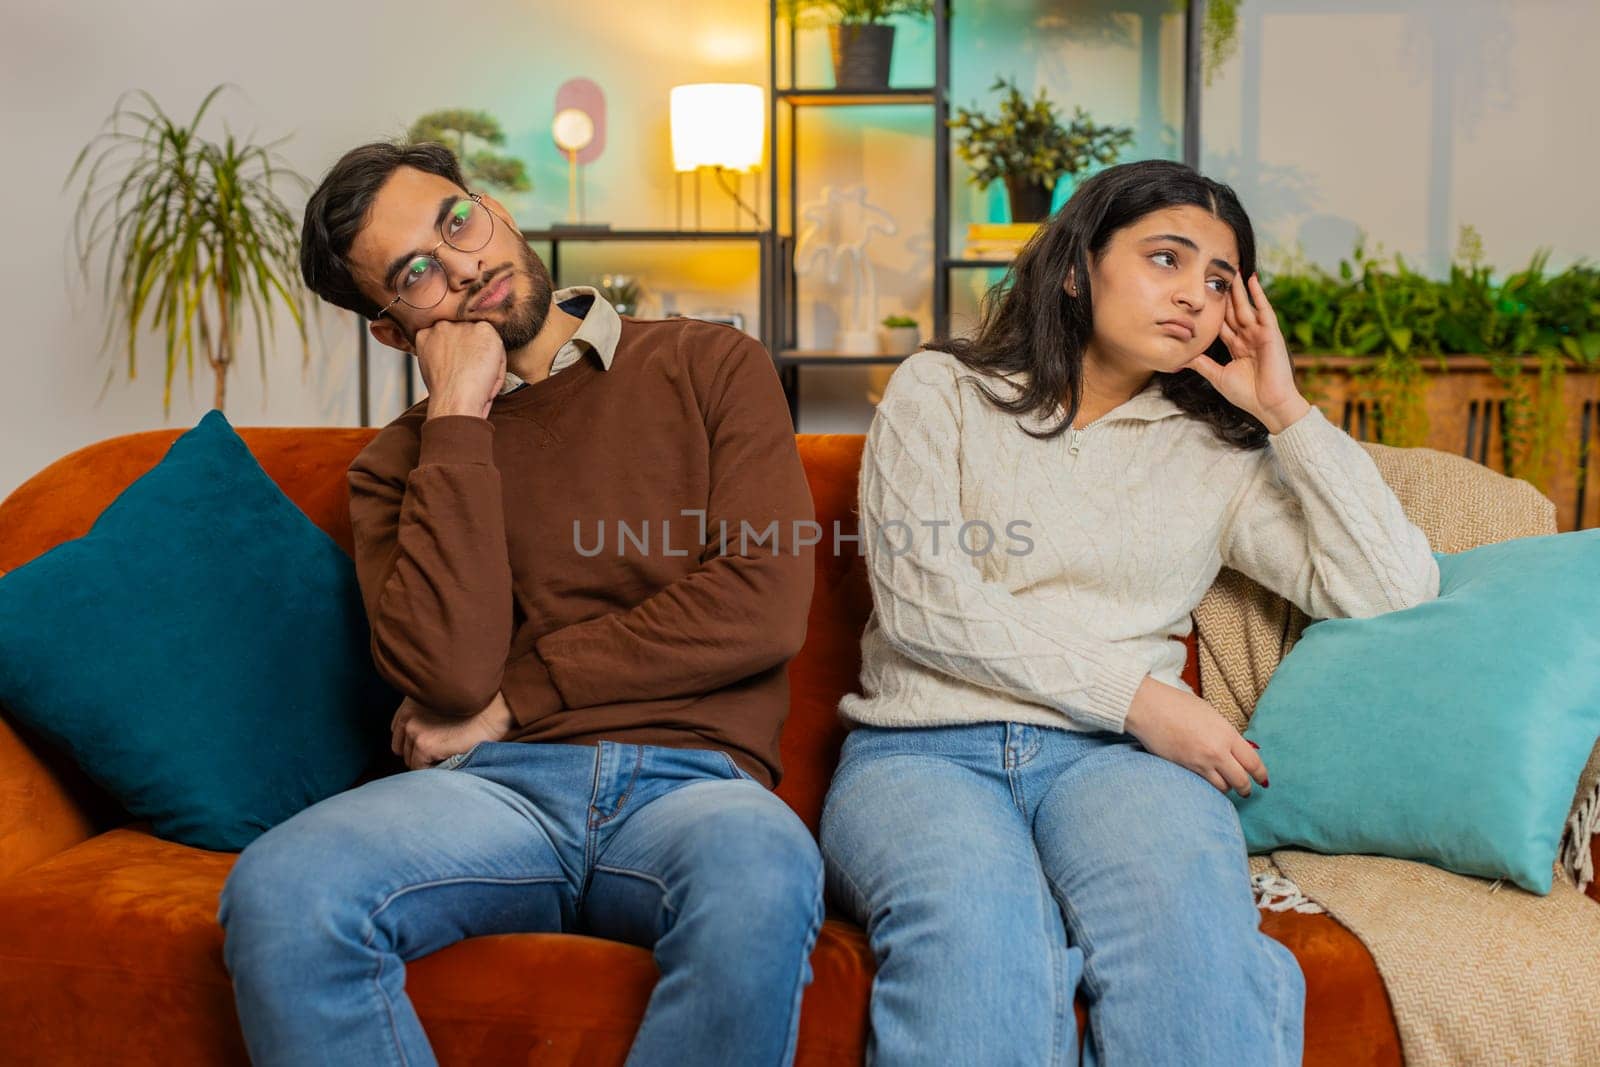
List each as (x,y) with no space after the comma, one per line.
(1077,434)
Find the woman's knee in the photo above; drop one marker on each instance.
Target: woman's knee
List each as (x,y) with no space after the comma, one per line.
(1132,807)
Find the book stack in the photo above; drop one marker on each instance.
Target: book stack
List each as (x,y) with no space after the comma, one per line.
(997,240)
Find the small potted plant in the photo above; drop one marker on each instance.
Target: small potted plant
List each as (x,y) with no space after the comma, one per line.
(898,335)
(621,291)
(1029,147)
(859,35)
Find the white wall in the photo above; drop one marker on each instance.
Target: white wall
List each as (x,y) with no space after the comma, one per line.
(1407,119)
(1404,119)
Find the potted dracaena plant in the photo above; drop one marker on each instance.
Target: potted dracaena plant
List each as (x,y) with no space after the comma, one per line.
(1028,147)
(859,34)
(194,236)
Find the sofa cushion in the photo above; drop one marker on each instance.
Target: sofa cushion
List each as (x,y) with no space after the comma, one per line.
(201,652)
(110,952)
(1460,739)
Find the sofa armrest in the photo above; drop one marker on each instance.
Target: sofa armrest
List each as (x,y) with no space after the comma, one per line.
(40,813)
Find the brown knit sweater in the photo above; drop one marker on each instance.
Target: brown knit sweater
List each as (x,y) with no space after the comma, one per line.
(545,551)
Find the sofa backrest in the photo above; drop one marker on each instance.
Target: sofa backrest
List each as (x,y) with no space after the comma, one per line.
(62,501)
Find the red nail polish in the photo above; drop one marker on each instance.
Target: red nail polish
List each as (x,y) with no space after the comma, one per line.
(1265,784)
(1251,743)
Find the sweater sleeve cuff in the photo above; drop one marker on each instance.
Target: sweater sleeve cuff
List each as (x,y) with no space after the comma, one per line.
(529,690)
(1298,444)
(457,439)
(1109,700)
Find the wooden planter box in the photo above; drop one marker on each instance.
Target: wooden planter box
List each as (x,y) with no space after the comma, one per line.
(1466,409)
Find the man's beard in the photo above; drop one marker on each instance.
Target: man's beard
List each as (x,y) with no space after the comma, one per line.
(526,317)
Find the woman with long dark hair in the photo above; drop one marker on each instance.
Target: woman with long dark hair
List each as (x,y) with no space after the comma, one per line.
(1030,797)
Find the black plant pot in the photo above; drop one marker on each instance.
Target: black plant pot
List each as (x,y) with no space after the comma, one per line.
(1030,201)
(861,53)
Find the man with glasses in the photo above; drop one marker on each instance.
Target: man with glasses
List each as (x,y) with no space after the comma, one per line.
(591,734)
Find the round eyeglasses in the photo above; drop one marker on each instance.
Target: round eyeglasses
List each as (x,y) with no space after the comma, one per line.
(467,226)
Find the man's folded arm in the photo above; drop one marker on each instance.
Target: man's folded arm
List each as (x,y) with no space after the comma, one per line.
(430,556)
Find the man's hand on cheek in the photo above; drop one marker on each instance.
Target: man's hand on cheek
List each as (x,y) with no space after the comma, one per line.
(463,366)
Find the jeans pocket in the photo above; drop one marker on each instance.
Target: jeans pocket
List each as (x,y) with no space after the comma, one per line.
(459,759)
(738,771)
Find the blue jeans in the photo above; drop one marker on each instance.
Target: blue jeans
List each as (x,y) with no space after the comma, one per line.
(676,850)
(996,866)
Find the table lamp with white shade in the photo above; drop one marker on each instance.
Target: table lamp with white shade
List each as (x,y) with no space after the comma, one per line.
(720,126)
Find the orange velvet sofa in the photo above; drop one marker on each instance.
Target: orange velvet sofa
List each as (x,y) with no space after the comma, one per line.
(110,952)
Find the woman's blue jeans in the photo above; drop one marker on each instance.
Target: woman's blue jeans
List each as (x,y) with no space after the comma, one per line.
(997,866)
(676,850)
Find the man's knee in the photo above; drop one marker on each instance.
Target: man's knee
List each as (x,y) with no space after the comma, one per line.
(746,863)
(275,879)
(763,854)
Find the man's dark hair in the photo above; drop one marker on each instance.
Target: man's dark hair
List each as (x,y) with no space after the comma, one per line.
(1029,324)
(338,209)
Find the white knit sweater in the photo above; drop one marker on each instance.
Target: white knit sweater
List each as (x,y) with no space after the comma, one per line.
(1129,522)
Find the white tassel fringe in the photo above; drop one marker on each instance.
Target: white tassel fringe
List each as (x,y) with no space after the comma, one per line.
(1274,892)
(1577,858)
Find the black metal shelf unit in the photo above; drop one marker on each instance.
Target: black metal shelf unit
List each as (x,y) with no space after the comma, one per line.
(782,300)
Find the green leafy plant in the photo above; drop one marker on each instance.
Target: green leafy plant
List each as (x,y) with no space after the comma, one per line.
(1219,34)
(1401,321)
(453,128)
(193,234)
(810,14)
(1027,140)
(898,321)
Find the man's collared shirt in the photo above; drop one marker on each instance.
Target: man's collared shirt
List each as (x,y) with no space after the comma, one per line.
(598,332)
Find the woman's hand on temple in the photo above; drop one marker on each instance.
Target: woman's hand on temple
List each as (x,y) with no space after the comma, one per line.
(1259,378)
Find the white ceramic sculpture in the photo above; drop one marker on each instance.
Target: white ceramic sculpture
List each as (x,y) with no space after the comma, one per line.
(837,228)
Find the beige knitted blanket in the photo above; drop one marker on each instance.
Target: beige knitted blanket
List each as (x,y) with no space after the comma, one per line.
(1477,972)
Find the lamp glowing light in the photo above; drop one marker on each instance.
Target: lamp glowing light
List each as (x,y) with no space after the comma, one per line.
(720,126)
(717,124)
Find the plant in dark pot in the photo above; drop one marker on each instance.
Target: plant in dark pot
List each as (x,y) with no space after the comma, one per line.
(1028,146)
(859,34)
